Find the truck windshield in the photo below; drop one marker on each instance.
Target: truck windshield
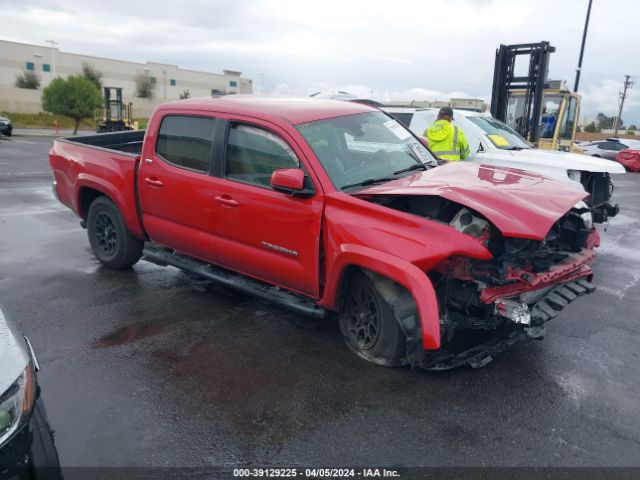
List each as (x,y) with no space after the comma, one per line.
(500,134)
(365,148)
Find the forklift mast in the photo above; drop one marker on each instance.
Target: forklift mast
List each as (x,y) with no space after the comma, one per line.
(116,115)
(113,107)
(505,82)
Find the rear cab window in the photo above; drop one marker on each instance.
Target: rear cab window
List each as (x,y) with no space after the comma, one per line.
(186,142)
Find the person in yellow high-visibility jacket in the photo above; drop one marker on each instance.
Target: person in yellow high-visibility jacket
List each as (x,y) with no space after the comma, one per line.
(447,141)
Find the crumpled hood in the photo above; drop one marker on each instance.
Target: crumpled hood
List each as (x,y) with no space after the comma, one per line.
(568,160)
(13,355)
(520,204)
(439,130)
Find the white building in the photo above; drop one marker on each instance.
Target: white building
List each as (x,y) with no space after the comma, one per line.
(170,80)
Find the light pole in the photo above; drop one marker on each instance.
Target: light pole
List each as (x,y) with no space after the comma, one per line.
(623,95)
(164,83)
(584,38)
(53,56)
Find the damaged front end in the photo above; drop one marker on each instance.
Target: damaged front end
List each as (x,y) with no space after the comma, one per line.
(488,305)
(600,188)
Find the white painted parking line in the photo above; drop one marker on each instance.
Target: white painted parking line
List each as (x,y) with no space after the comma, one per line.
(23,173)
(25,188)
(33,212)
(21,141)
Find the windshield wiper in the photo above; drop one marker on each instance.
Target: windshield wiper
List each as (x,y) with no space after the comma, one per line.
(368,181)
(514,147)
(417,166)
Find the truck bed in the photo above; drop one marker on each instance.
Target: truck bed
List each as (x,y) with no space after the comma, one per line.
(103,164)
(129,142)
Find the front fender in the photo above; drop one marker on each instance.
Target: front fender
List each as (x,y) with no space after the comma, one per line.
(393,268)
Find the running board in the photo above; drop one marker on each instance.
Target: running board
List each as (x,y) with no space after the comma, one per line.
(480,355)
(297,303)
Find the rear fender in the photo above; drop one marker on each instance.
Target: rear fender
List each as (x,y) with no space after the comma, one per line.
(406,274)
(125,205)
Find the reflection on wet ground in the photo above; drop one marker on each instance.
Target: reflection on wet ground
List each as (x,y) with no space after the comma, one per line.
(131,333)
(150,366)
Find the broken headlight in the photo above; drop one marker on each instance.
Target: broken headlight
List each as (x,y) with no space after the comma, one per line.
(585,214)
(16,403)
(575,175)
(466,222)
(514,310)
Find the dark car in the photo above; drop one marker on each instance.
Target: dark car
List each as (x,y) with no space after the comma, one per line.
(6,127)
(27,449)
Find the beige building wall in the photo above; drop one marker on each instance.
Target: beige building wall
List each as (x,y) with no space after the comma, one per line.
(464,103)
(170,80)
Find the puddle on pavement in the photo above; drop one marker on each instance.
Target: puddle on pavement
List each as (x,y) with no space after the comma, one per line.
(131,333)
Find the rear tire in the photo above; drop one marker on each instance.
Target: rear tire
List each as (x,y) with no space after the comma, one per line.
(112,243)
(369,326)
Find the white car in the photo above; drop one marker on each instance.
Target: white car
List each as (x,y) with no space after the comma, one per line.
(495,143)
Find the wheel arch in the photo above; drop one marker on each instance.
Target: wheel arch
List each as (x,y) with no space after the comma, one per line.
(355,257)
(90,188)
(86,196)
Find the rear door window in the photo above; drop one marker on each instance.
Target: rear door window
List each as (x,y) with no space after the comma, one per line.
(186,142)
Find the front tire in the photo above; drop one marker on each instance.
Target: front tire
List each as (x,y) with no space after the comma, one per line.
(44,461)
(112,243)
(369,326)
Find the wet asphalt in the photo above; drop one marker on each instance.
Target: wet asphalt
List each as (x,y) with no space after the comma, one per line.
(152,367)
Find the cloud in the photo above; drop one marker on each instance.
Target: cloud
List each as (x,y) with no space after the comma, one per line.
(415,48)
(603,97)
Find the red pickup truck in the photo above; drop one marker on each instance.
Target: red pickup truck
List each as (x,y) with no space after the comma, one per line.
(328,206)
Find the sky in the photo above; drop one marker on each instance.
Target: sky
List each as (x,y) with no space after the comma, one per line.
(386,50)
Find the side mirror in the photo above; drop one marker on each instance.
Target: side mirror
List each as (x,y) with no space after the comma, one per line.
(290,181)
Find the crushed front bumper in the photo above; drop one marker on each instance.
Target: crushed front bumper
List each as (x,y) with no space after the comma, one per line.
(553,300)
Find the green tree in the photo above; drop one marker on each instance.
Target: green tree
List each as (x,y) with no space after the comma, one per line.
(633,127)
(145,85)
(29,80)
(74,97)
(591,128)
(185,94)
(605,122)
(91,73)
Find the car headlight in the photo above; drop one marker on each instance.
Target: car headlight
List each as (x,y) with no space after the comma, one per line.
(585,214)
(16,403)
(574,175)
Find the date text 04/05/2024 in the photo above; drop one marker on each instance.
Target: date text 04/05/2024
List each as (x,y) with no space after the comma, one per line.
(316,473)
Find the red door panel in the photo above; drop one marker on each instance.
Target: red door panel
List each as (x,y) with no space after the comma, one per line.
(175,188)
(261,232)
(179,213)
(269,235)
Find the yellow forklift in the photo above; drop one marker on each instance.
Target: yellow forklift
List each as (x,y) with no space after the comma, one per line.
(116,115)
(558,120)
(544,112)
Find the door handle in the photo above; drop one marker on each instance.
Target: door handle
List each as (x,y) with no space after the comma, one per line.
(226,201)
(154,182)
